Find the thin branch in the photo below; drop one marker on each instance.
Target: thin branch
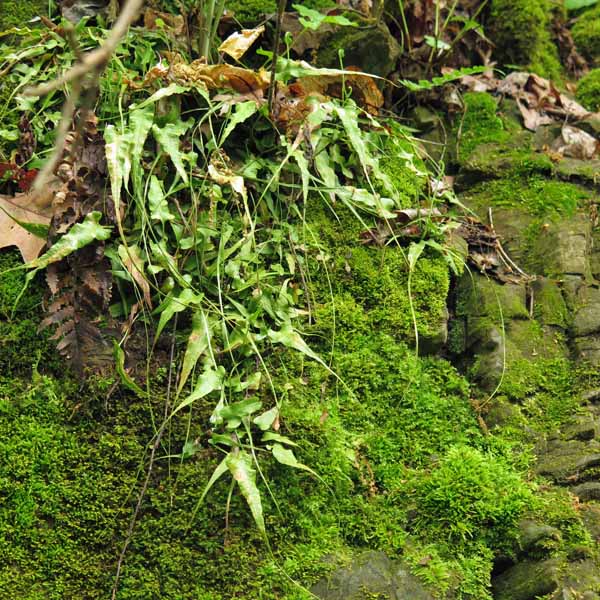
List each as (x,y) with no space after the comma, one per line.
(90,64)
(96,59)
(273,84)
(64,127)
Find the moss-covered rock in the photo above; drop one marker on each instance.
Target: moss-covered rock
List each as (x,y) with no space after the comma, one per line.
(491,145)
(588,89)
(370,48)
(521,31)
(544,223)
(586,34)
(17,13)
(251,12)
(378,278)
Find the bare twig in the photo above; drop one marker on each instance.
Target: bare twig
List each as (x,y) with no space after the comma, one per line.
(88,66)
(157,440)
(96,59)
(273,83)
(61,135)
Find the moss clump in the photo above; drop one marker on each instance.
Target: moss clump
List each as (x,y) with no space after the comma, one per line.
(586,34)
(588,90)
(16,13)
(480,124)
(251,11)
(520,30)
(470,490)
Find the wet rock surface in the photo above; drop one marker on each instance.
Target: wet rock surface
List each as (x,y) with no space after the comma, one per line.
(372,575)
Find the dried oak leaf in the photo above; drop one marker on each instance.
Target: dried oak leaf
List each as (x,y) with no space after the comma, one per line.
(364,90)
(238,43)
(214,77)
(29,208)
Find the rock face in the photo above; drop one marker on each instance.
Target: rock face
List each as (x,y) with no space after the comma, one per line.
(372,575)
(544,215)
(504,332)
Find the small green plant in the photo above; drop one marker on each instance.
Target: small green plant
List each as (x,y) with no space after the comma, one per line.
(212,237)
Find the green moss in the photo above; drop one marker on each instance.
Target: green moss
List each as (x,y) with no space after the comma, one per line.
(16,13)
(545,60)
(534,195)
(319,4)
(588,89)
(21,343)
(383,49)
(494,146)
(404,169)
(377,278)
(549,304)
(480,124)
(251,11)
(546,387)
(586,34)
(521,31)
(555,507)
(467,492)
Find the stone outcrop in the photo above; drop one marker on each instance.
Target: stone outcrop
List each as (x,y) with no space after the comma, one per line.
(372,575)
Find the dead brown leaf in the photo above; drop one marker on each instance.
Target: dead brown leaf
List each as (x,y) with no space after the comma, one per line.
(27,208)
(217,77)
(364,90)
(238,43)
(575,143)
(533,118)
(173,24)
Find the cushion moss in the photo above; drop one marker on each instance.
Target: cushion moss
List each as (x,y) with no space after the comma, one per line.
(586,34)
(15,13)
(535,50)
(588,89)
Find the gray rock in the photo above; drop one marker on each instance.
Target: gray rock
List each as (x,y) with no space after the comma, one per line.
(590,396)
(549,305)
(595,253)
(588,348)
(584,427)
(370,575)
(581,577)
(590,490)
(591,125)
(527,580)
(579,170)
(590,514)
(587,318)
(535,536)
(567,461)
